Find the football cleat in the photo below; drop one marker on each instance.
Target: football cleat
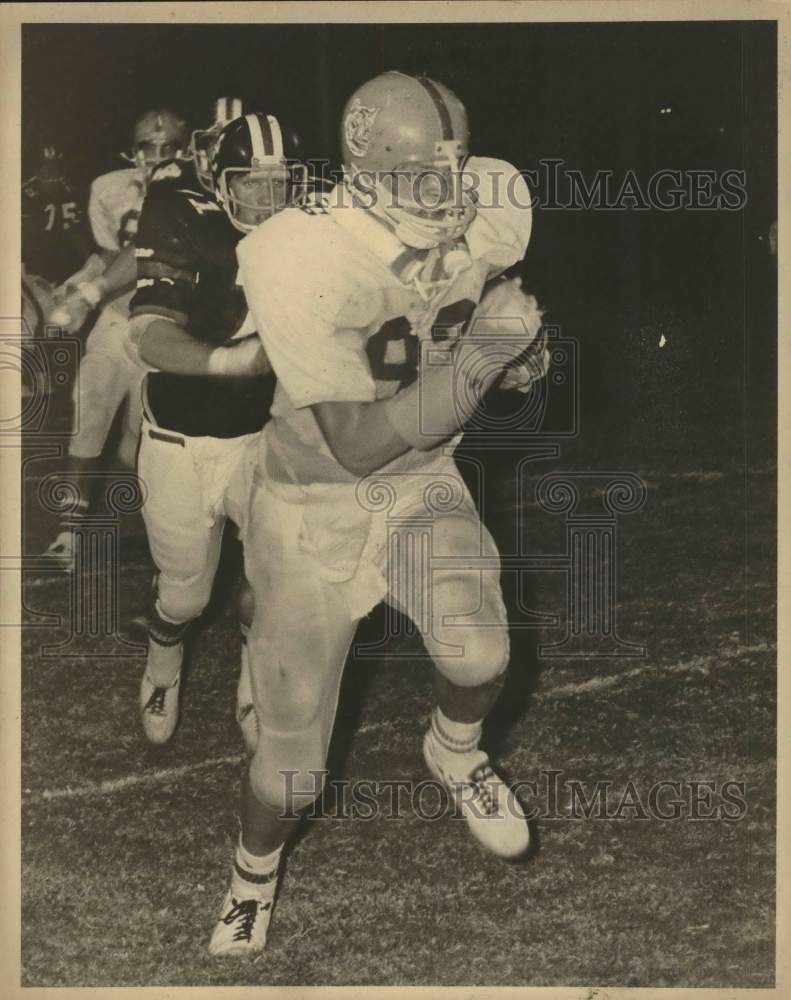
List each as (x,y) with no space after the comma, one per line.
(492,811)
(159,708)
(242,927)
(62,551)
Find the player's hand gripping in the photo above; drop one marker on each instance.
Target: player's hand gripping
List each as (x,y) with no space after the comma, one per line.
(529,367)
(503,328)
(74,304)
(245,356)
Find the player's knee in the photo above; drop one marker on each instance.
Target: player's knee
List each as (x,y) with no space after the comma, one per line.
(292,701)
(287,771)
(481,656)
(183,600)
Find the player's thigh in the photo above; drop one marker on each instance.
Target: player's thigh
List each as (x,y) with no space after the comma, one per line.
(184,541)
(458,606)
(301,627)
(108,333)
(238,482)
(106,370)
(297,650)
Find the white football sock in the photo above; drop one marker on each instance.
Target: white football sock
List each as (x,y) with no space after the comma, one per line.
(458,737)
(254,876)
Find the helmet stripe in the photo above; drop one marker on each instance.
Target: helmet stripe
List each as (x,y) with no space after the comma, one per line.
(226,109)
(277,135)
(440,106)
(260,132)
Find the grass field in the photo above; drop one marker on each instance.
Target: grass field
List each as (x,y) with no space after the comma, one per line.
(127,847)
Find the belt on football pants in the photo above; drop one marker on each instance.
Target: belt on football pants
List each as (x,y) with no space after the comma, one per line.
(167,438)
(152,431)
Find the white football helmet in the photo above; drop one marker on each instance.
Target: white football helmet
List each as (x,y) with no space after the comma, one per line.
(158,135)
(404,140)
(224,110)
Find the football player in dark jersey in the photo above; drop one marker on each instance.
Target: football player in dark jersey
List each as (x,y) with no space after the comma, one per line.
(55,240)
(207,394)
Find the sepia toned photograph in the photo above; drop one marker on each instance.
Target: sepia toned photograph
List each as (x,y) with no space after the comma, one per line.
(397,447)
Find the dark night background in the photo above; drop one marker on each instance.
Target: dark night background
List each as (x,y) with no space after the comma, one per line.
(589,94)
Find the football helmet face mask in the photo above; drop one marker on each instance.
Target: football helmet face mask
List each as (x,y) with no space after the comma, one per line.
(158,135)
(202,141)
(252,175)
(404,140)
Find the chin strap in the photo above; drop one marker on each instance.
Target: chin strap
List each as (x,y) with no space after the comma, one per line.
(427,269)
(437,272)
(408,228)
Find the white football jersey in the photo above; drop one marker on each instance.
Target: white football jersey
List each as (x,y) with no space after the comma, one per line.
(342,307)
(114,207)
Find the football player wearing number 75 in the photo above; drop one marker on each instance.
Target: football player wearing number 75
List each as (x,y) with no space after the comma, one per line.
(384,319)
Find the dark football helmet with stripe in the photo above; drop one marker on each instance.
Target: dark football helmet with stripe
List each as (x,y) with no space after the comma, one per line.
(256,171)
(404,139)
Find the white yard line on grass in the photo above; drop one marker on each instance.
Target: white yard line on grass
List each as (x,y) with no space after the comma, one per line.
(131,781)
(699,664)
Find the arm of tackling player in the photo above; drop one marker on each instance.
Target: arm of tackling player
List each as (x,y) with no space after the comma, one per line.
(166,346)
(168,273)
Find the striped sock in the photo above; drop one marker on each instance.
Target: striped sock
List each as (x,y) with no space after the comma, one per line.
(165,648)
(254,876)
(458,737)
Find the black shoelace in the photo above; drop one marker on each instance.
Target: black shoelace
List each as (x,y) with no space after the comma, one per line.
(480,778)
(156,703)
(245,912)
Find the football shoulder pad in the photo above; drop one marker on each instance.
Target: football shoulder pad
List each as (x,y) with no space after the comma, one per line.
(500,232)
(303,255)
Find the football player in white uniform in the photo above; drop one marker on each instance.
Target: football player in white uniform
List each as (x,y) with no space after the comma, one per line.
(379,317)
(107,373)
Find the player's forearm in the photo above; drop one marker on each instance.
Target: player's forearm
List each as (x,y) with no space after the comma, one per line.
(365,436)
(440,402)
(102,276)
(94,267)
(121,272)
(166,346)
(359,435)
